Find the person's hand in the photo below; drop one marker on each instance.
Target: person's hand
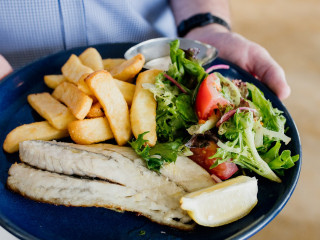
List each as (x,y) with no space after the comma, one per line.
(246,54)
(5,67)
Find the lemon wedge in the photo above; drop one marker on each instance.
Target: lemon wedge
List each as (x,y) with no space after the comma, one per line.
(222,203)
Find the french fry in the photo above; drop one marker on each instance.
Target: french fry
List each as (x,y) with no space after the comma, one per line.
(113,103)
(33,131)
(52,81)
(73,69)
(95,111)
(83,86)
(127,70)
(90,131)
(143,109)
(110,63)
(78,102)
(127,90)
(92,58)
(58,115)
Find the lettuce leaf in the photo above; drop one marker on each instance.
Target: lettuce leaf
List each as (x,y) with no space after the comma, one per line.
(187,72)
(239,134)
(156,156)
(238,131)
(184,107)
(272,118)
(174,110)
(279,162)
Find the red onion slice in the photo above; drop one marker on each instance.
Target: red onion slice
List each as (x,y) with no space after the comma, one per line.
(216,178)
(216,67)
(229,114)
(174,82)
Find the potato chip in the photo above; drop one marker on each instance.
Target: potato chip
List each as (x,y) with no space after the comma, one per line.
(33,131)
(110,63)
(143,109)
(127,89)
(90,131)
(95,111)
(114,105)
(57,114)
(82,85)
(52,81)
(73,69)
(127,70)
(91,58)
(78,102)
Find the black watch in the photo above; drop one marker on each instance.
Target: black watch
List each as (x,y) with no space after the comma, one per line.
(199,20)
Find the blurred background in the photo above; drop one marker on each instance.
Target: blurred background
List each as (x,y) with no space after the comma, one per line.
(290,31)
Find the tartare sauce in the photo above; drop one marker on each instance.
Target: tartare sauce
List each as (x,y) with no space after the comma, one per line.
(161,63)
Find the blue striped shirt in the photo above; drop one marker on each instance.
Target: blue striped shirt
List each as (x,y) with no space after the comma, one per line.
(30,29)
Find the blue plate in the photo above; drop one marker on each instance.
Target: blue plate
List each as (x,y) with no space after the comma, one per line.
(28,219)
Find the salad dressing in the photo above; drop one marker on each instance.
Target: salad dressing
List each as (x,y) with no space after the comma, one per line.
(161,63)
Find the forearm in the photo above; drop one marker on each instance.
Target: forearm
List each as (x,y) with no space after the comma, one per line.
(183,9)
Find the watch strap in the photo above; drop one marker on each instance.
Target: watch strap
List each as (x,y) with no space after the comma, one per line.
(199,20)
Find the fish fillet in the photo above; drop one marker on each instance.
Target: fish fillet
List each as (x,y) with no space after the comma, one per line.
(184,172)
(110,169)
(56,188)
(69,159)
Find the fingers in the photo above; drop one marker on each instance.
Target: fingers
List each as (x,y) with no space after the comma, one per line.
(247,55)
(268,71)
(5,67)
(274,77)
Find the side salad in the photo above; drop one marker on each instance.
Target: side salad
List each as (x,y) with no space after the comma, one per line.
(226,126)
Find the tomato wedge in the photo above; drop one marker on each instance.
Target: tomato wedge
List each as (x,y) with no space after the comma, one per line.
(201,156)
(209,97)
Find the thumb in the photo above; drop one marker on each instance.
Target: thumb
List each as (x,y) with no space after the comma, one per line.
(5,67)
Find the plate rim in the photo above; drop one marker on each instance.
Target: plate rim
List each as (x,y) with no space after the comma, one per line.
(245,233)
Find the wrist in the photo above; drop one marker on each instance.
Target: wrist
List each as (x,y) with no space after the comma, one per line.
(205,32)
(200,20)
(185,9)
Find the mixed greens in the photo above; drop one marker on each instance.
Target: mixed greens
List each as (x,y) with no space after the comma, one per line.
(248,130)
(175,112)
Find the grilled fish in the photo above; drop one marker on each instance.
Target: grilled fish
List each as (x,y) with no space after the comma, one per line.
(70,159)
(105,175)
(184,172)
(65,190)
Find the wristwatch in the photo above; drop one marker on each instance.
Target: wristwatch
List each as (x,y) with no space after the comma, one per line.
(199,20)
